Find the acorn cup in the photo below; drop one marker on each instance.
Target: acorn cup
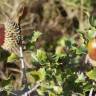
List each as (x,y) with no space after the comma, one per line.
(11,41)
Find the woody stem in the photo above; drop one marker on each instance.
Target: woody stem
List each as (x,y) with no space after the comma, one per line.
(23,75)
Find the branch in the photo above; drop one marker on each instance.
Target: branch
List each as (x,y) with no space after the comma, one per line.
(33,89)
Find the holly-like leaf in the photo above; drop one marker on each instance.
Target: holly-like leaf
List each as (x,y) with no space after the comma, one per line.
(41,55)
(12,57)
(81,78)
(35,36)
(91,74)
(57,89)
(39,75)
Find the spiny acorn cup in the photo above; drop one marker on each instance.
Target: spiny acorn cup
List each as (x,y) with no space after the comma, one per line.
(10,32)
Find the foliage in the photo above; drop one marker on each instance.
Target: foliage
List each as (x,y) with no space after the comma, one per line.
(59,61)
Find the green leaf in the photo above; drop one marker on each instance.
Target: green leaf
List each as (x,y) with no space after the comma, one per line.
(35,75)
(6,84)
(68,43)
(35,36)
(57,89)
(12,57)
(41,55)
(91,33)
(41,73)
(34,57)
(81,78)
(87,87)
(91,74)
(52,94)
(81,50)
(92,20)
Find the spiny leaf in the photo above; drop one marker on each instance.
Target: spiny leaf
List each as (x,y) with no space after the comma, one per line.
(41,55)
(91,74)
(35,36)
(12,57)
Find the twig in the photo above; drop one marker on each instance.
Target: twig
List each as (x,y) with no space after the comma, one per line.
(91,91)
(33,89)
(3,89)
(21,57)
(23,71)
(22,92)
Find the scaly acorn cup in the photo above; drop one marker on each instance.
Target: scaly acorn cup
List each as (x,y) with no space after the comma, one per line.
(10,33)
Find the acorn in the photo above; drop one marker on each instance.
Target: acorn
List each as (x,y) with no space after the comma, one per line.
(92,48)
(91,56)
